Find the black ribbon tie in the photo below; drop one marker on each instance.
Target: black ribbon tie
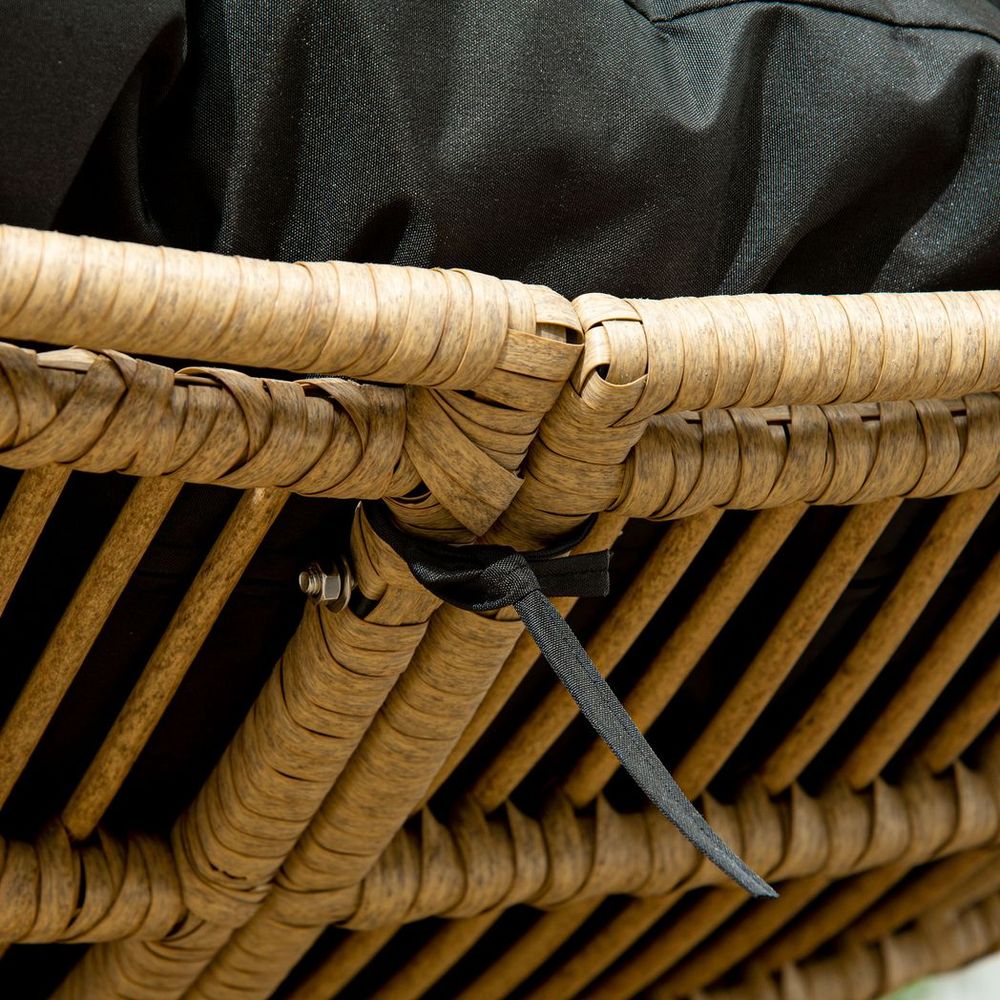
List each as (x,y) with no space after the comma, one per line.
(487,577)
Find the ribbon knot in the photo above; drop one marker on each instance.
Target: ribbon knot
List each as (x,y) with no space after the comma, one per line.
(487,577)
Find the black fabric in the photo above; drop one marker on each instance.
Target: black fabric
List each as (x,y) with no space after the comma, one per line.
(655,148)
(487,577)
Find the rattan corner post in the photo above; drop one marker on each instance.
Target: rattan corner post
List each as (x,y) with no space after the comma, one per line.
(480,409)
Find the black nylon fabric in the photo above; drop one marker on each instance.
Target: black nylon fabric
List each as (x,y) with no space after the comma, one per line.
(486,577)
(656,148)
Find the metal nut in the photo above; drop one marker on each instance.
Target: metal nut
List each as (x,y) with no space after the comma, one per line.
(329,590)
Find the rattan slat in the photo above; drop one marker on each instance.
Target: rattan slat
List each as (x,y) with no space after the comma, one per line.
(927,680)
(343,964)
(24,517)
(613,638)
(943,941)
(177,648)
(682,650)
(918,583)
(966,723)
(110,571)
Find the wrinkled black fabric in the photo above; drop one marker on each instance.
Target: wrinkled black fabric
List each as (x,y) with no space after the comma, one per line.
(487,577)
(657,147)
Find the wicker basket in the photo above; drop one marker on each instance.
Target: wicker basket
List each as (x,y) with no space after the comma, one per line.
(373,782)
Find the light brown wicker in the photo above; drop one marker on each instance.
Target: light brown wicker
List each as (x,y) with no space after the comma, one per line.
(481,409)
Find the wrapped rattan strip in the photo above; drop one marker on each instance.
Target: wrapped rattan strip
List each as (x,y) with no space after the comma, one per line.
(103,890)
(572,470)
(343,841)
(746,936)
(449,328)
(759,350)
(844,903)
(661,952)
(739,937)
(829,455)
(962,810)
(330,437)
(103,413)
(855,854)
(799,466)
(476,864)
(943,940)
(376,322)
(917,822)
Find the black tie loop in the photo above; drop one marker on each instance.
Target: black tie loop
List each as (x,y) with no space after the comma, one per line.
(487,577)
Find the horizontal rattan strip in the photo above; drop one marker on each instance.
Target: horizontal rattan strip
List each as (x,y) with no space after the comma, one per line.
(104,413)
(333,437)
(453,328)
(474,865)
(383,323)
(105,890)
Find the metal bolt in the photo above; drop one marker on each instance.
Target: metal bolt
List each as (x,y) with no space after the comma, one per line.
(329,590)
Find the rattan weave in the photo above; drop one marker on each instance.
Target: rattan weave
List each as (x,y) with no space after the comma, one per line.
(482,409)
